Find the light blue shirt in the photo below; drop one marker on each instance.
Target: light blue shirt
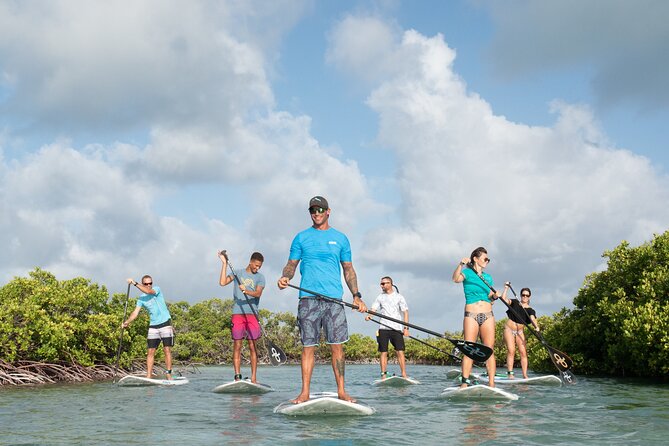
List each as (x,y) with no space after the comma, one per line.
(251,282)
(475,289)
(156,306)
(320,254)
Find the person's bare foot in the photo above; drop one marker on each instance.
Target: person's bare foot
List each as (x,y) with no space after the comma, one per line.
(300,399)
(346,397)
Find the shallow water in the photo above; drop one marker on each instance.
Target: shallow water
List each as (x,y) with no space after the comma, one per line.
(595,411)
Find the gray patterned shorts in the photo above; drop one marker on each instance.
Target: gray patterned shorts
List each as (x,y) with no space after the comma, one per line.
(314,314)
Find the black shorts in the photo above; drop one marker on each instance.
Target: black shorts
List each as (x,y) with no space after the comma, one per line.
(395,338)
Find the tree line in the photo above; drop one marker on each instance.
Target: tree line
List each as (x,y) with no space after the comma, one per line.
(619,324)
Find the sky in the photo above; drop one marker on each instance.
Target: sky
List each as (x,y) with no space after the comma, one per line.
(141,137)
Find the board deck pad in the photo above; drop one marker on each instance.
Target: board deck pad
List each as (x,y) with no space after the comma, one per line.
(142,381)
(244,386)
(324,403)
(395,381)
(478,392)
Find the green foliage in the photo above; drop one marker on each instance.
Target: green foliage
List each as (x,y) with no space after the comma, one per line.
(620,324)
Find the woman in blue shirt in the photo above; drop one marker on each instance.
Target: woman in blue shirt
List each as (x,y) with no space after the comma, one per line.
(479,319)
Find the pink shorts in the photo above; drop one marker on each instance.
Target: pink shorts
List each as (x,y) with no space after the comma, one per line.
(245,326)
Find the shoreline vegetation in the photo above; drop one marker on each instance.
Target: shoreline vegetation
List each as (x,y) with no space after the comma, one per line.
(69,330)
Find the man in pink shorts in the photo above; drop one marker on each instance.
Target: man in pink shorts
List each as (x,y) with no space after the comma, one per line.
(246,298)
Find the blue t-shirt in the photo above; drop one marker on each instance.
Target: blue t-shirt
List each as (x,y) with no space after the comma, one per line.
(156,306)
(320,253)
(475,289)
(251,282)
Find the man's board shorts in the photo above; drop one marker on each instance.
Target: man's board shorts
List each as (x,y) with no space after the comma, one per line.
(161,332)
(395,338)
(245,326)
(314,314)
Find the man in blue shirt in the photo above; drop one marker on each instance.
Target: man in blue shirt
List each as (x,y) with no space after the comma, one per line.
(160,323)
(324,252)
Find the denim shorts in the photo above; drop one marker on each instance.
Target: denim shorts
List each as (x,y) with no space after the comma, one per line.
(314,314)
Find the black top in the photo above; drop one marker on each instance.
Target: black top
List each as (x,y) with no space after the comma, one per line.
(517,313)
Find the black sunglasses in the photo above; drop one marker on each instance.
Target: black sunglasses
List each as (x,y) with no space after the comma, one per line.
(316,210)
(148,283)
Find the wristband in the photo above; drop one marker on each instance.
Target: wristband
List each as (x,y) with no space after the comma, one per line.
(357,294)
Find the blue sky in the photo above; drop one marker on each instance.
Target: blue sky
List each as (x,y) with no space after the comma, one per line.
(141,137)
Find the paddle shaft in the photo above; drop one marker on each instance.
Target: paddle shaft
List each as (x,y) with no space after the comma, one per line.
(277,356)
(120,338)
(476,351)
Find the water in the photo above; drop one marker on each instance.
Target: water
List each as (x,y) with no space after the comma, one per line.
(595,411)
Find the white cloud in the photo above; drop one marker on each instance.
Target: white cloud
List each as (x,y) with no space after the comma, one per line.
(545,201)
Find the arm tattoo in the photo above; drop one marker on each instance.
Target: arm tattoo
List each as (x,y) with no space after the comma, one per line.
(350,277)
(289,269)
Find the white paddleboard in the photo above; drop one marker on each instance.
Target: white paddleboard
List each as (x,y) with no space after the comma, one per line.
(479,392)
(544,380)
(395,381)
(324,403)
(138,381)
(243,386)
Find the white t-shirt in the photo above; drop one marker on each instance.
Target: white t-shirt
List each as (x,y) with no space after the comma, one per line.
(391,305)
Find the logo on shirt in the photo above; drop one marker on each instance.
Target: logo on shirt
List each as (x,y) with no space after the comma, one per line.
(332,242)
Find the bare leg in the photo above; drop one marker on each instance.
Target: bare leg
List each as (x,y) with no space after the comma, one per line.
(150,355)
(402,362)
(168,360)
(254,359)
(520,339)
(307,369)
(487,332)
(384,364)
(237,356)
(510,341)
(338,366)
(470,329)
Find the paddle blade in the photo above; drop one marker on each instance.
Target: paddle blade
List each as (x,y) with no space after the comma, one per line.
(560,359)
(474,350)
(568,377)
(276,355)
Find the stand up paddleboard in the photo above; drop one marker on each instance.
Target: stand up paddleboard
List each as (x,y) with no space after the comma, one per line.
(324,403)
(140,381)
(479,392)
(395,381)
(243,386)
(543,380)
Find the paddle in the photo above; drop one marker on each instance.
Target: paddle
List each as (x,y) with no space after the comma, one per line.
(474,350)
(277,356)
(120,338)
(560,360)
(449,354)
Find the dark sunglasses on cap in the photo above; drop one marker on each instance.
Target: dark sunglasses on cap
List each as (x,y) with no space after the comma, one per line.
(316,210)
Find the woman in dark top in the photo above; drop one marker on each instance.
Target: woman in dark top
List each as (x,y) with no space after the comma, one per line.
(520,315)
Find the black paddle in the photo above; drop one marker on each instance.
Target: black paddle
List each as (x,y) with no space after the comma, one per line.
(277,356)
(120,338)
(560,360)
(474,350)
(450,355)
